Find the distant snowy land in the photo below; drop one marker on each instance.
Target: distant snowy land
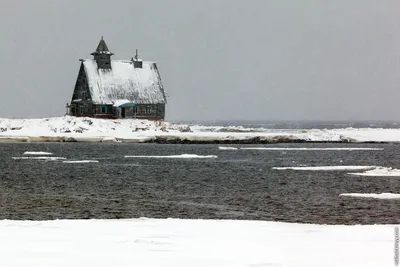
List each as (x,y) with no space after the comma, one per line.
(75,129)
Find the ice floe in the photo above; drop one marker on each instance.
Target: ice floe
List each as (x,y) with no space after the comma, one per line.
(324,168)
(195,243)
(314,148)
(39,158)
(80,161)
(227,148)
(183,156)
(370,195)
(37,153)
(379,171)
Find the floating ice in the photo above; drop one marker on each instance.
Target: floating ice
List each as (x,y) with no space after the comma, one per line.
(183,156)
(314,148)
(80,161)
(325,168)
(227,148)
(378,196)
(40,158)
(379,171)
(37,153)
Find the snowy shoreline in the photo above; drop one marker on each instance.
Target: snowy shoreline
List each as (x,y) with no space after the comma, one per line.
(75,129)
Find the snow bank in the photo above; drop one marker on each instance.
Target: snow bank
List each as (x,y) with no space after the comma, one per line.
(379,171)
(37,153)
(378,196)
(67,128)
(183,156)
(325,168)
(195,243)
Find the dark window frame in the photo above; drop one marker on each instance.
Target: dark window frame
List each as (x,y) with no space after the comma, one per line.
(148,110)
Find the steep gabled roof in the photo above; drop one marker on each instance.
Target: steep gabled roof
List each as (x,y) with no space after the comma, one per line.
(124,82)
(102,48)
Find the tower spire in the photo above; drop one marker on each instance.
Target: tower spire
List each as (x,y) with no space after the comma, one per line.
(102,48)
(102,55)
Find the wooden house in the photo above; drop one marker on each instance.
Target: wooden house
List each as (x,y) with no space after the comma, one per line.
(107,88)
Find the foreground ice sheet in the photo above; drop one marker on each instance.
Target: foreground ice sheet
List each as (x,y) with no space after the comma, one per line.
(194,243)
(369,195)
(324,168)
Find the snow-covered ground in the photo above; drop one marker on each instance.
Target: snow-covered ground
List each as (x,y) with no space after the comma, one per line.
(205,243)
(88,129)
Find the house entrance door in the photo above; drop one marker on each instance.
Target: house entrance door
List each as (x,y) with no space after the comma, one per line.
(123,112)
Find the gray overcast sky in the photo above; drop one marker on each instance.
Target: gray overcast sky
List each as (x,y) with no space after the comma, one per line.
(219,59)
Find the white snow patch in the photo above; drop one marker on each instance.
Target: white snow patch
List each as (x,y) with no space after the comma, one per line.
(378,196)
(325,168)
(227,148)
(379,171)
(80,161)
(183,156)
(121,102)
(314,148)
(39,158)
(37,153)
(110,139)
(194,243)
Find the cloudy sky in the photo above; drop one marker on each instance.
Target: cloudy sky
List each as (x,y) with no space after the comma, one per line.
(219,59)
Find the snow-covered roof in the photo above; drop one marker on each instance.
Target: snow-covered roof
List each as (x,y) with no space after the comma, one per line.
(124,82)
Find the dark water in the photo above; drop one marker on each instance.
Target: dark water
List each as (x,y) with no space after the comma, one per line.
(237,185)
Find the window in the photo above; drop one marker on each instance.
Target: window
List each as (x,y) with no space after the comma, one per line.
(81,110)
(83,95)
(103,109)
(135,110)
(147,110)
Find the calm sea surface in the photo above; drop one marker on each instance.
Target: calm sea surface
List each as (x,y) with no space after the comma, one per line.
(239,184)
